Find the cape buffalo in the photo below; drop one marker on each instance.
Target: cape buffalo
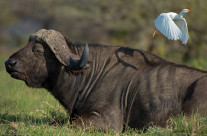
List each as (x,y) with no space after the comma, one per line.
(106,86)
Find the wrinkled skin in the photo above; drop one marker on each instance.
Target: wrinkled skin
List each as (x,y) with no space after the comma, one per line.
(121,86)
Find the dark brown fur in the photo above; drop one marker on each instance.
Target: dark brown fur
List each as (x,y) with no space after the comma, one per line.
(121,86)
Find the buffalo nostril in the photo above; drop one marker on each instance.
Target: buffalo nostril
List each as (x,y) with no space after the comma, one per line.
(11,62)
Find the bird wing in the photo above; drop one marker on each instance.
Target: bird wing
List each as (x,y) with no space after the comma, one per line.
(167,27)
(182,25)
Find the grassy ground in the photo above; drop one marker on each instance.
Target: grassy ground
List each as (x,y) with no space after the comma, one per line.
(27,111)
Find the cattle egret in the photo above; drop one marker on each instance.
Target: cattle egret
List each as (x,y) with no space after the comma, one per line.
(173,25)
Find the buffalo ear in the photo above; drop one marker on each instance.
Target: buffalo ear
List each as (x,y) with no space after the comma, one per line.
(57,43)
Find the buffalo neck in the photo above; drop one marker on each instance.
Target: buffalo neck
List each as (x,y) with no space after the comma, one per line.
(67,88)
(72,88)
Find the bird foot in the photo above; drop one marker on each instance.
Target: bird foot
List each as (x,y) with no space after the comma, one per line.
(153,35)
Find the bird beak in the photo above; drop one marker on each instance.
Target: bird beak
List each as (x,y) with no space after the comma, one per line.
(189,10)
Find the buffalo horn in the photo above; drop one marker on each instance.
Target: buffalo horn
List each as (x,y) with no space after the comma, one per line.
(73,64)
(57,43)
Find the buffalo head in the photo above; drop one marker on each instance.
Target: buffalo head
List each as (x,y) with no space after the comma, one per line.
(42,58)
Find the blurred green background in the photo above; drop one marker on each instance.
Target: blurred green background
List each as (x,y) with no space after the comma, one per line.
(112,22)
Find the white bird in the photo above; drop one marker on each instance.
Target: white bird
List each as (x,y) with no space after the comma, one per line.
(173,25)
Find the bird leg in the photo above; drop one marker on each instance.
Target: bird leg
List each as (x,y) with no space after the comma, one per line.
(153,35)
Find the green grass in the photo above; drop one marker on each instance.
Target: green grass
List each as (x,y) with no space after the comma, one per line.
(27,111)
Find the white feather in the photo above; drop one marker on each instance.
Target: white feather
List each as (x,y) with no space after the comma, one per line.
(182,25)
(173,25)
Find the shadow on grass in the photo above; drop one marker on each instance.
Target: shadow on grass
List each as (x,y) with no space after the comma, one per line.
(7,120)
(29,119)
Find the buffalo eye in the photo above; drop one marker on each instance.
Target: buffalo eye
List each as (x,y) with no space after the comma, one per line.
(38,49)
